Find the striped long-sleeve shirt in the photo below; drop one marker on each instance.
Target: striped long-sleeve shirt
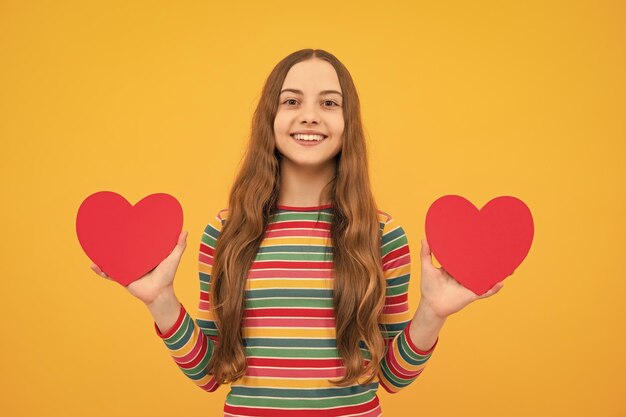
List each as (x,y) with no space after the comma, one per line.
(288,327)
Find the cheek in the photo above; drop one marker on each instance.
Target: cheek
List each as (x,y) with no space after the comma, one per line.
(280,125)
(281,129)
(340,123)
(340,128)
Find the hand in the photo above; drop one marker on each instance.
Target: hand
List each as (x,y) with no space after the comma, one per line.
(158,280)
(442,293)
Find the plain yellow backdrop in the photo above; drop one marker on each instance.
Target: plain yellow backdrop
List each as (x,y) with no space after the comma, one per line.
(477,98)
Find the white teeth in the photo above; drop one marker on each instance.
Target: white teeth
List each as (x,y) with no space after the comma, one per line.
(308,137)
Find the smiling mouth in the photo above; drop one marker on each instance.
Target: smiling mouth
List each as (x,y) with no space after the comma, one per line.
(308,138)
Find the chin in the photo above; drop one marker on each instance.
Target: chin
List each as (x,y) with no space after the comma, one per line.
(306,162)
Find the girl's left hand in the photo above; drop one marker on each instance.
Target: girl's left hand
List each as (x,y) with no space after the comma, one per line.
(442,293)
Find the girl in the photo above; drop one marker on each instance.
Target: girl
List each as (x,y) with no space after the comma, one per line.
(303,281)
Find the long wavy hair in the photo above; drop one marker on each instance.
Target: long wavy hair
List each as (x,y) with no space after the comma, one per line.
(359,283)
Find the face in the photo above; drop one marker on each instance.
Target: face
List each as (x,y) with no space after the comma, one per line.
(310,103)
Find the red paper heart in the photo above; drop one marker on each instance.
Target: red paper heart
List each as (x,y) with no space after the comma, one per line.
(127,241)
(479,248)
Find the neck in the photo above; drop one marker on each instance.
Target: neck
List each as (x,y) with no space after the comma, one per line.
(304,186)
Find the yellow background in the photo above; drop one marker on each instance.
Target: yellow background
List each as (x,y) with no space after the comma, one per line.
(477,98)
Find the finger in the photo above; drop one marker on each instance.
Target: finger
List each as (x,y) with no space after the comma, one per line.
(180,245)
(425,253)
(98,271)
(485,295)
(493,290)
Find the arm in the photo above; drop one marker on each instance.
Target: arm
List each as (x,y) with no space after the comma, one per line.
(442,296)
(404,361)
(165,309)
(191,343)
(425,327)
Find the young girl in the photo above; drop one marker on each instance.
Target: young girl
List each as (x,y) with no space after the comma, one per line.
(303,281)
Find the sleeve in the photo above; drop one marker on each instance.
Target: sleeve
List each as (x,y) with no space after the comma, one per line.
(403,361)
(189,342)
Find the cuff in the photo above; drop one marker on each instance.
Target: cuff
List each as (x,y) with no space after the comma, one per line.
(407,336)
(175,326)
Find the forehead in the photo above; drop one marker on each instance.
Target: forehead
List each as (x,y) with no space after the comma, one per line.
(311,76)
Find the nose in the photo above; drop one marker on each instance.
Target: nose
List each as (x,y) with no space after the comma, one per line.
(309,114)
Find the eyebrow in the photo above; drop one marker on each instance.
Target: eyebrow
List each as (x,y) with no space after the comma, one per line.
(301,93)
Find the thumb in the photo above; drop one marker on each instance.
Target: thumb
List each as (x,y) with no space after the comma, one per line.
(180,245)
(425,253)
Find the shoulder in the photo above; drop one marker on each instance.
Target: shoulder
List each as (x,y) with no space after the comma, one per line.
(222,215)
(386,221)
(388,224)
(216,222)
(393,237)
(383,217)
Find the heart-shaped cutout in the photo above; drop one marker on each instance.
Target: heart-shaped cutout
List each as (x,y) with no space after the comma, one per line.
(479,248)
(128,241)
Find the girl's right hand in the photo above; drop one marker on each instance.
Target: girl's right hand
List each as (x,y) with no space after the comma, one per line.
(160,279)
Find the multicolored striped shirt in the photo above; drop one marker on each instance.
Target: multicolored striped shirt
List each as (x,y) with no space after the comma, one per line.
(288,327)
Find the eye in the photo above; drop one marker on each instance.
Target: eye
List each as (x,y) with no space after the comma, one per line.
(328,103)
